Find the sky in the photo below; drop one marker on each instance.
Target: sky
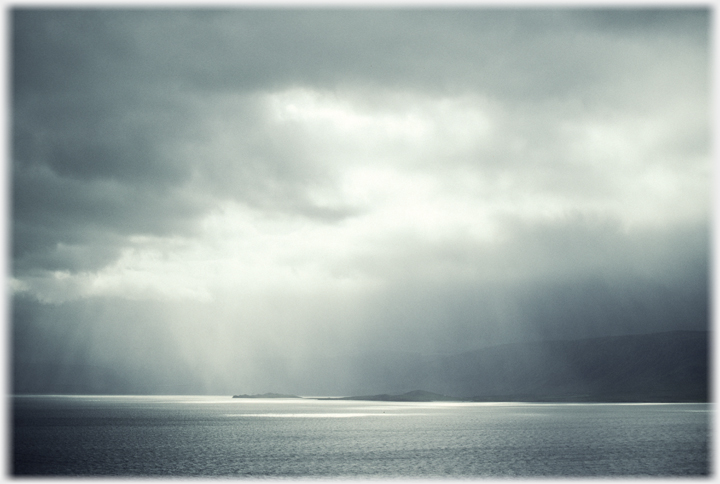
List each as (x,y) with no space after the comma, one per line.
(195,191)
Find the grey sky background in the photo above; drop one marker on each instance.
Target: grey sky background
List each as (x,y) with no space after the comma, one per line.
(197,189)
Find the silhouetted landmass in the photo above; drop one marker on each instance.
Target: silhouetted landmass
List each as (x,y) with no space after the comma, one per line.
(414,396)
(267,395)
(659,367)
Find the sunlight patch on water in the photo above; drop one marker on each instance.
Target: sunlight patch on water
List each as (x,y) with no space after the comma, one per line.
(321,415)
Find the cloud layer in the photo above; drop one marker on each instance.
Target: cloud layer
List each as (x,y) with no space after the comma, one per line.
(251,182)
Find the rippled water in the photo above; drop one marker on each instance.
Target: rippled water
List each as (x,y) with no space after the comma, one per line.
(221,436)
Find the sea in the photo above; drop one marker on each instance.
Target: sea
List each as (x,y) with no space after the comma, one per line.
(218,436)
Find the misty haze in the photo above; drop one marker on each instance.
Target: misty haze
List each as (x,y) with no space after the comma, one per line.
(415,242)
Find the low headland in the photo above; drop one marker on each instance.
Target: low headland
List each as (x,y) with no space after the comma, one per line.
(267,395)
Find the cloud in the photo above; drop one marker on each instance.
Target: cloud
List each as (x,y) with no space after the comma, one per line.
(303,180)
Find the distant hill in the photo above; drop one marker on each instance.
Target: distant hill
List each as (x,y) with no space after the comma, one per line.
(266,395)
(659,367)
(414,396)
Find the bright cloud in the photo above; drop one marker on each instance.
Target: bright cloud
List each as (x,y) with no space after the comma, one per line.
(419,168)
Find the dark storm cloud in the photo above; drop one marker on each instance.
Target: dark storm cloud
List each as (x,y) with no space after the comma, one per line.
(583,156)
(98,94)
(690,21)
(64,223)
(87,170)
(101,94)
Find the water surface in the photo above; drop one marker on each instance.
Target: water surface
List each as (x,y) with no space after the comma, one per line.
(220,436)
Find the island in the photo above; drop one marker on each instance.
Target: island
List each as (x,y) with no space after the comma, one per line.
(267,395)
(414,396)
